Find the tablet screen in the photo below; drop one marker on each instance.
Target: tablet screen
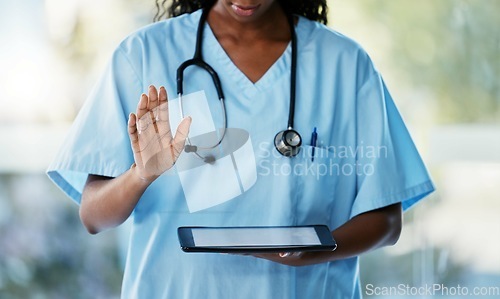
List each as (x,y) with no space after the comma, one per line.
(247,236)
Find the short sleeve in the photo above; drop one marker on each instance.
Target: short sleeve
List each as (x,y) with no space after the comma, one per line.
(392,169)
(98,142)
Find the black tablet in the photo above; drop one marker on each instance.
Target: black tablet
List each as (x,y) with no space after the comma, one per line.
(256,239)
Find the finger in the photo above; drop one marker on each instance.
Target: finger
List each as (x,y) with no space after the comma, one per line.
(142,106)
(290,254)
(162,113)
(275,257)
(153,98)
(180,136)
(132,132)
(135,139)
(162,117)
(163,97)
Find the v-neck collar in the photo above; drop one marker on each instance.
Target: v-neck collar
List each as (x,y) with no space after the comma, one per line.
(278,69)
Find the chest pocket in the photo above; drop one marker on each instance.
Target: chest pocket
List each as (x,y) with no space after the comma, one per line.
(315,179)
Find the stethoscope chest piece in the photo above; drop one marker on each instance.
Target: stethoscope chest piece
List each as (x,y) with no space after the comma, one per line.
(288,142)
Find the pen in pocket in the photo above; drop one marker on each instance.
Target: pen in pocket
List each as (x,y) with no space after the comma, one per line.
(314,138)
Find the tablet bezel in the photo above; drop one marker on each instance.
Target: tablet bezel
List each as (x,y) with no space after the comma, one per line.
(187,243)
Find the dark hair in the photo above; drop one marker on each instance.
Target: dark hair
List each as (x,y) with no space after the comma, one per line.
(315,10)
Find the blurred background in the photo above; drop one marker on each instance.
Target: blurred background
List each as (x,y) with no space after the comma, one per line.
(440,60)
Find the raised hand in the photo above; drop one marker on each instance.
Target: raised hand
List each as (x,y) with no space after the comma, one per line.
(155,149)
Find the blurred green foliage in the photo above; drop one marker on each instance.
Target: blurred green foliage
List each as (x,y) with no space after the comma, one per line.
(450,48)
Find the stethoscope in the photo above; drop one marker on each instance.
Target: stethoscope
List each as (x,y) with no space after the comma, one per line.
(287,142)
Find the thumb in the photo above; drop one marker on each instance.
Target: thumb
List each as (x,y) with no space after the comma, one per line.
(181,134)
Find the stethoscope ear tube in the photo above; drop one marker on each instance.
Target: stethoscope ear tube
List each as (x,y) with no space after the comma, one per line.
(197,60)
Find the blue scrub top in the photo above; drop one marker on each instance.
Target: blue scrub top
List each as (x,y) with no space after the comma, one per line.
(364,159)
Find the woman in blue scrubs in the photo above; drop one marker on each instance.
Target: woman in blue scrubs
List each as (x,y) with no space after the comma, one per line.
(357,177)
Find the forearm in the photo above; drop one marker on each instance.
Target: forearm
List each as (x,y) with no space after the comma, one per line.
(108,202)
(361,234)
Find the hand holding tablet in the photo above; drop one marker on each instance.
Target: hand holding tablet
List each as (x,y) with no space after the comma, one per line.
(257,239)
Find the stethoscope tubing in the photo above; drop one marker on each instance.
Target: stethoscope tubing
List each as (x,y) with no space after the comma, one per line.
(282,144)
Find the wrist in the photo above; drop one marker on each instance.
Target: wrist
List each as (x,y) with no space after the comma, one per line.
(143,179)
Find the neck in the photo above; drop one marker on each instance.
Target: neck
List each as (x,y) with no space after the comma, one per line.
(271,25)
